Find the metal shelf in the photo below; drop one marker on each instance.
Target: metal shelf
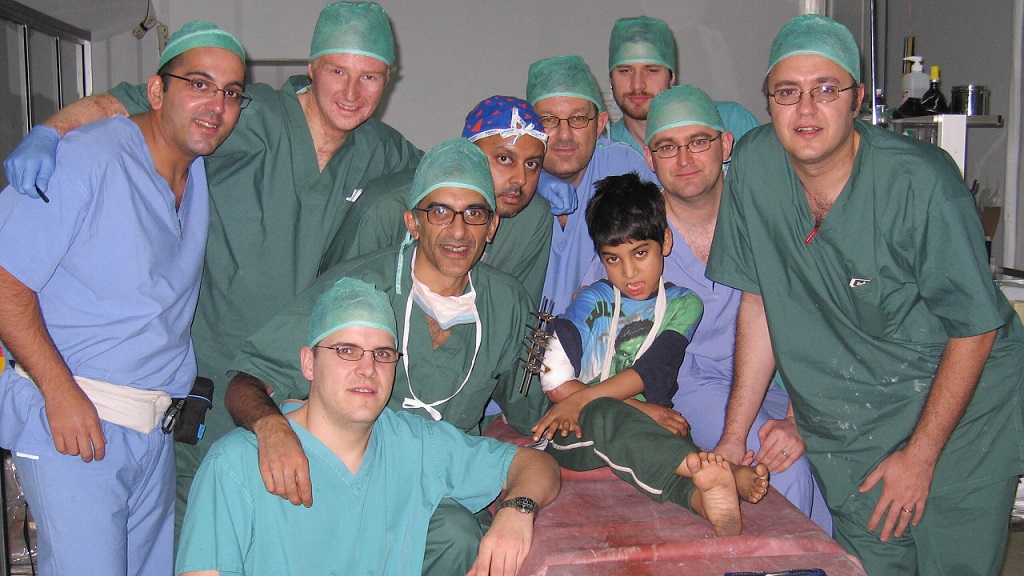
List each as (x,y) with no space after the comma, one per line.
(947,131)
(972,121)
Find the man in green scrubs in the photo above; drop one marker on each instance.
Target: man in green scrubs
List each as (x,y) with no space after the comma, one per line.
(460,323)
(641,65)
(509,133)
(866,282)
(278,186)
(379,473)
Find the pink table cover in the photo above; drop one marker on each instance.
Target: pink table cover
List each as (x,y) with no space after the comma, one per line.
(601,525)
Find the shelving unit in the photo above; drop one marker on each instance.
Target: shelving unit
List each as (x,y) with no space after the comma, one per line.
(947,131)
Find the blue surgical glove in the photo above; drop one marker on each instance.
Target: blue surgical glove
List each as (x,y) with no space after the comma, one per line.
(32,162)
(561,194)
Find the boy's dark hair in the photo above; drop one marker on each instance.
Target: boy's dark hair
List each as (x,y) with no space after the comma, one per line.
(626,209)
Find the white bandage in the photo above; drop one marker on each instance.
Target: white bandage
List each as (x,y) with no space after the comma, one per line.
(557,367)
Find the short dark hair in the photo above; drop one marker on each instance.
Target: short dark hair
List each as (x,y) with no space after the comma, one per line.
(626,209)
(167,68)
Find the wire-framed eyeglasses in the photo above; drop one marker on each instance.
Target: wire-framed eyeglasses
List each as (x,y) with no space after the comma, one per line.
(352,353)
(206,89)
(576,122)
(695,146)
(442,215)
(821,94)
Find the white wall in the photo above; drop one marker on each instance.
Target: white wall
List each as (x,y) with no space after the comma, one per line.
(117,56)
(454,53)
(972,42)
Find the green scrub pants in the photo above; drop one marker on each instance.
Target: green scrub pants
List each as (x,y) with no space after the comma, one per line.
(635,447)
(453,539)
(961,534)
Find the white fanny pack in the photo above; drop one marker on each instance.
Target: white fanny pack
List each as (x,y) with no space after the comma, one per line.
(139,410)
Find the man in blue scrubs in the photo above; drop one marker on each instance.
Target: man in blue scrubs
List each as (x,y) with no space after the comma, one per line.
(565,95)
(687,144)
(98,287)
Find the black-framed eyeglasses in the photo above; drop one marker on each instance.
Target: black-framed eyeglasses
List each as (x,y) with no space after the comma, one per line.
(352,353)
(575,122)
(206,89)
(441,215)
(696,146)
(821,94)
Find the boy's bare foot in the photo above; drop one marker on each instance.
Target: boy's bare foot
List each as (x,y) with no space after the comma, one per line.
(716,497)
(751,482)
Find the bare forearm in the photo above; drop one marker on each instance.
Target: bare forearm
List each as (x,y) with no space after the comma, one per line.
(85,110)
(625,384)
(533,474)
(955,381)
(24,333)
(248,400)
(753,369)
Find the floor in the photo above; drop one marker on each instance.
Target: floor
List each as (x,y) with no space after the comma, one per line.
(1013,564)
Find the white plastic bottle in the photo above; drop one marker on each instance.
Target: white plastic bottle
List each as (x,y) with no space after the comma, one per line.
(915,82)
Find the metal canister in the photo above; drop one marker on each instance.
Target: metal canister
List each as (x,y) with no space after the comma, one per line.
(971,100)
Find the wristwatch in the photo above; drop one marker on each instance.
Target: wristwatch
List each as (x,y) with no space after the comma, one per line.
(521,504)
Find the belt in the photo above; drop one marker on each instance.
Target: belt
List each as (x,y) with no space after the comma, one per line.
(139,410)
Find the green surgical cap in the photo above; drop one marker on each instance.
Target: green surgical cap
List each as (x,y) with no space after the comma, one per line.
(354,28)
(350,302)
(199,34)
(562,76)
(455,163)
(641,40)
(681,106)
(814,34)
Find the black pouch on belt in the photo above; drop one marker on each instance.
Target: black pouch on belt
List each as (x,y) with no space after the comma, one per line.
(186,417)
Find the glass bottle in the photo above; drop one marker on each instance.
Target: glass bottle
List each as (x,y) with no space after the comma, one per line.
(933,101)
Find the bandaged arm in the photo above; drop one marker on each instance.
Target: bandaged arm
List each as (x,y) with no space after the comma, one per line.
(657,368)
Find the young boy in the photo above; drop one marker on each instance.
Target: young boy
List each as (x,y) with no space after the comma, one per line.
(612,362)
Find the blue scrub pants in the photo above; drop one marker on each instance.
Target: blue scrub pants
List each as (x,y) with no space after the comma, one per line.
(704,408)
(113,516)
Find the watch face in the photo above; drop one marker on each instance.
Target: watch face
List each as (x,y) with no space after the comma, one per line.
(521,503)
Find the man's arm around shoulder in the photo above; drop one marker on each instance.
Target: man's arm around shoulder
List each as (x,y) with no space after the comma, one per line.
(31,164)
(503,549)
(283,464)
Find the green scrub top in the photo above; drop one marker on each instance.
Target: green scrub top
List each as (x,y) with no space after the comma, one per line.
(859,316)
(272,354)
(374,222)
(272,212)
(234,525)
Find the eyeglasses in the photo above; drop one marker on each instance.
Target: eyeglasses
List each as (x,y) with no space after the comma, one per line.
(207,89)
(696,146)
(821,94)
(353,353)
(441,215)
(576,122)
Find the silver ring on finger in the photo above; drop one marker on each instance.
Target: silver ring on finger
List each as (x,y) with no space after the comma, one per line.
(906,511)
(786,454)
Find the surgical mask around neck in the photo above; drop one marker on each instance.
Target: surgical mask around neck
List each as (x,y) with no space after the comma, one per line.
(447,311)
